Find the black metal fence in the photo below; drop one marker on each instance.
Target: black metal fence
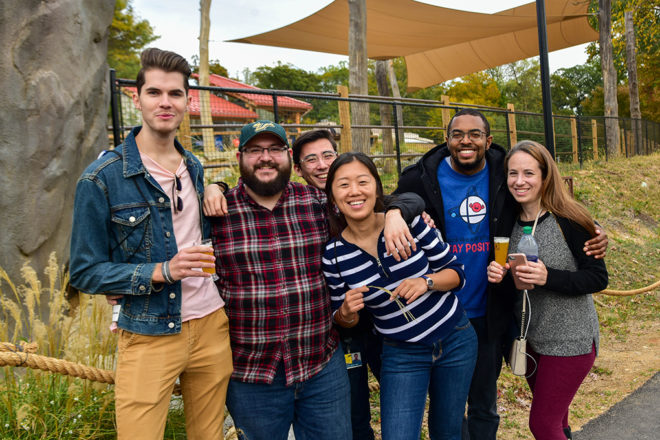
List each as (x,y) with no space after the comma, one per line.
(415,125)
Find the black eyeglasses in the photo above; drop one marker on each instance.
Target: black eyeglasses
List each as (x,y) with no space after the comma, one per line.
(473,135)
(254,151)
(176,189)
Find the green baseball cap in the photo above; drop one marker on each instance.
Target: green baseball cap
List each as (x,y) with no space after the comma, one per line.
(258,127)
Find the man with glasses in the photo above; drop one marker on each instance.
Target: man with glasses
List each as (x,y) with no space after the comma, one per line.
(313,153)
(464,186)
(288,369)
(136,221)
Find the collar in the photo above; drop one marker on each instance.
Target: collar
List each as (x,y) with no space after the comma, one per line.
(132,163)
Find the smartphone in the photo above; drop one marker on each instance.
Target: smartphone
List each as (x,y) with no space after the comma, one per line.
(514,261)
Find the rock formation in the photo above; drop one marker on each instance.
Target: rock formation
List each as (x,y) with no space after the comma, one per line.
(53,115)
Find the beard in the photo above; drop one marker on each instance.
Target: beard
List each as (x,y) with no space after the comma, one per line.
(270,188)
(467,167)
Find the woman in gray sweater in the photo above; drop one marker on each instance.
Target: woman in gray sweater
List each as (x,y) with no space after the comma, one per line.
(563,325)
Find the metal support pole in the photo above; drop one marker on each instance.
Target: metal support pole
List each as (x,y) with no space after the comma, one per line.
(114,107)
(396,140)
(545,76)
(276,116)
(508,128)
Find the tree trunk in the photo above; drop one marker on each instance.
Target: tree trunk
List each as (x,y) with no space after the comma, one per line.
(385,114)
(204,98)
(609,77)
(396,94)
(357,65)
(633,85)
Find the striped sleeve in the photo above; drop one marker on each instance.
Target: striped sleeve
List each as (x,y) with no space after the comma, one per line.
(438,252)
(330,266)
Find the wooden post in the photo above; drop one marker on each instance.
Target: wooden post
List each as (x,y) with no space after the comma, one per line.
(183,133)
(574,138)
(594,137)
(446,117)
(513,133)
(358,72)
(346,143)
(205,114)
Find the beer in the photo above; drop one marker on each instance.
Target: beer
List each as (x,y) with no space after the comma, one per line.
(209,243)
(501,250)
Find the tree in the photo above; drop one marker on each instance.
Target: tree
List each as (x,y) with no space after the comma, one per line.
(611,108)
(646,19)
(128,35)
(520,83)
(214,66)
(573,85)
(633,86)
(285,77)
(385,112)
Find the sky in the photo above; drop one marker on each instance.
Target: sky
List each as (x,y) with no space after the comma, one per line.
(177,24)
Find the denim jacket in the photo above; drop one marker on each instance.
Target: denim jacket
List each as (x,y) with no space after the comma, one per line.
(122,227)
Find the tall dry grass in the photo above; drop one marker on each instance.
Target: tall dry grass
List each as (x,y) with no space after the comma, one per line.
(36,404)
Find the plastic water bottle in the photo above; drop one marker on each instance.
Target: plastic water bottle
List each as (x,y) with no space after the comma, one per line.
(527,245)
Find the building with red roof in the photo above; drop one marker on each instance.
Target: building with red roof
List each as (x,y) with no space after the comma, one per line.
(289,109)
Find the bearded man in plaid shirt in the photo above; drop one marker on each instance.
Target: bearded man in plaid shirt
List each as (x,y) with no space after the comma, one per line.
(288,369)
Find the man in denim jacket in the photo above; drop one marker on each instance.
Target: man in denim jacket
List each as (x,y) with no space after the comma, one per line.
(137,227)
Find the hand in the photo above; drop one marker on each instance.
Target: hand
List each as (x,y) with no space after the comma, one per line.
(189,261)
(428,220)
(398,240)
(113,300)
(410,289)
(353,302)
(597,246)
(215,203)
(534,272)
(496,272)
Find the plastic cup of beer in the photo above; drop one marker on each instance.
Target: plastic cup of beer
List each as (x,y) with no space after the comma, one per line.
(208,242)
(501,250)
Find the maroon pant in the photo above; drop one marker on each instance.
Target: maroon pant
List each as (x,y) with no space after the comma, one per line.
(553,385)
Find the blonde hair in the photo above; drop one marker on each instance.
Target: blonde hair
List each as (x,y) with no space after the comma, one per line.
(554,194)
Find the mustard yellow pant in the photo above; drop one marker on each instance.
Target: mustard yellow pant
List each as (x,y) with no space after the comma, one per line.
(148,366)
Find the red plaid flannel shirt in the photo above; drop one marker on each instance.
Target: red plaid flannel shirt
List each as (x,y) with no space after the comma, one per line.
(269,264)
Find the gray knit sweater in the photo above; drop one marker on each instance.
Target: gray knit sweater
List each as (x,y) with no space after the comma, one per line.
(563,319)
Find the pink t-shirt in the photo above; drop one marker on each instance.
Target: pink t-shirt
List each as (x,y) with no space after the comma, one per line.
(200,296)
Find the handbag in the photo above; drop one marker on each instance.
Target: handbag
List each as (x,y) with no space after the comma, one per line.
(518,354)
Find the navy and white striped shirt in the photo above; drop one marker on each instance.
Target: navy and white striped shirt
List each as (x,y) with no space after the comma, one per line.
(435,313)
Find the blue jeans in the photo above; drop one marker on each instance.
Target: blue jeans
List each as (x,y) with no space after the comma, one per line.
(318,408)
(410,370)
(369,345)
(482,418)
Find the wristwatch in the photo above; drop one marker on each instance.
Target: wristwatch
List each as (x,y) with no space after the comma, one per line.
(429,282)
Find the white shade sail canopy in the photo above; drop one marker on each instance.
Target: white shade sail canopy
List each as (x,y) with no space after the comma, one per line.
(438,43)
